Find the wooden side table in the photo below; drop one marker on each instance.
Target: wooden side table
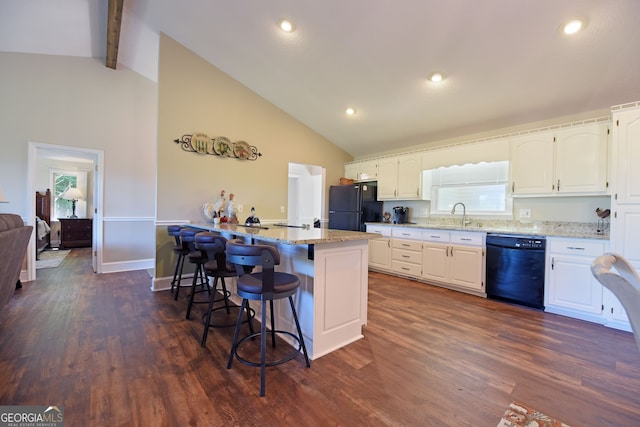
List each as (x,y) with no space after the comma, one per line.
(75,232)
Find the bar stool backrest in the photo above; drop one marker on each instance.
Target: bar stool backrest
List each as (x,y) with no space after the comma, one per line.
(174,230)
(242,255)
(214,247)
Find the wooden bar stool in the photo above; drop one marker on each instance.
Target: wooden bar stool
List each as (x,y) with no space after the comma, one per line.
(265,286)
(218,268)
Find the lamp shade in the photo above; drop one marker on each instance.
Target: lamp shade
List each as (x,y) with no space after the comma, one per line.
(73,194)
(3,199)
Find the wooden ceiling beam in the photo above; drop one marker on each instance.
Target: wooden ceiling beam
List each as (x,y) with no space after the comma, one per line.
(114,22)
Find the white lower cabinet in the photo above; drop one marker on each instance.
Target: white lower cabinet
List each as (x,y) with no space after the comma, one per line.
(406,257)
(570,287)
(454,259)
(380,249)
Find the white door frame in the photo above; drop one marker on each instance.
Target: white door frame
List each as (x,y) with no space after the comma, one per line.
(98,160)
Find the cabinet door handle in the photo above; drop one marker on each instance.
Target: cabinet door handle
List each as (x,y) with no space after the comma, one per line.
(558,185)
(513,186)
(405,256)
(466,239)
(575,248)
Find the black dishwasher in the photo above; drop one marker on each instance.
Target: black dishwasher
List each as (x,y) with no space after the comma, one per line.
(515,269)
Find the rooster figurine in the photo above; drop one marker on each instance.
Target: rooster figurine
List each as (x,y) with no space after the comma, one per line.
(603,213)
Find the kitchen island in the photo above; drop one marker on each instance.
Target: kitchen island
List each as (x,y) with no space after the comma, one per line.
(333,269)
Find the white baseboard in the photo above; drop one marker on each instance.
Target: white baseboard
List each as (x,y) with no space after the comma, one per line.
(142,264)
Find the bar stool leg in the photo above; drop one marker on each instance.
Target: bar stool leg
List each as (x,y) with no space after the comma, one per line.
(175,272)
(263,347)
(175,297)
(273,325)
(205,333)
(295,318)
(234,340)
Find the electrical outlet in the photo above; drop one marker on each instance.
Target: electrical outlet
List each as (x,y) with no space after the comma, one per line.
(281,209)
(525,213)
(423,212)
(240,208)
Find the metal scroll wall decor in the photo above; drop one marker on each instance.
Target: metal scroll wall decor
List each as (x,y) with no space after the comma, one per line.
(221,146)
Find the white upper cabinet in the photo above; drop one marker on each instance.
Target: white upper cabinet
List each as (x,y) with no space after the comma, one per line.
(366,170)
(581,159)
(571,160)
(532,164)
(626,156)
(400,178)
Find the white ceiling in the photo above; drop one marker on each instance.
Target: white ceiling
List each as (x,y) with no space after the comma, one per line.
(506,61)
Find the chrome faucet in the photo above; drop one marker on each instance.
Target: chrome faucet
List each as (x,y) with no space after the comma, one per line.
(464,212)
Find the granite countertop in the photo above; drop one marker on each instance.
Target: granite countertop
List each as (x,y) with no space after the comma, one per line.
(286,235)
(544,228)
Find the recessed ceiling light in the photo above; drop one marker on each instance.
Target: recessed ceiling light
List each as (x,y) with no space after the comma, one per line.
(573,26)
(286,25)
(436,77)
(350,111)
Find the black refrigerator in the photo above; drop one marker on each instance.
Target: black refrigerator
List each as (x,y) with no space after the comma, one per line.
(350,206)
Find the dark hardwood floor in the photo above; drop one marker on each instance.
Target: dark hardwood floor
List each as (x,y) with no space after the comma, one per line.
(113,353)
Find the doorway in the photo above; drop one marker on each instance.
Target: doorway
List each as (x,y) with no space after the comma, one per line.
(305,194)
(42,159)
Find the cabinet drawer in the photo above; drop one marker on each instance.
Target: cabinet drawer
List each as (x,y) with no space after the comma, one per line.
(407,256)
(467,238)
(582,247)
(406,268)
(407,233)
(380,229)
(435,236)
(412,245)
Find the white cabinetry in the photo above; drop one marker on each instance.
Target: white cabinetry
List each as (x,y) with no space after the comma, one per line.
(570,160)
(455,259)
(625,206)
(362,171)
(400,178)
(626,156)
(532,163)
(570,287)
(380,249)
(406,251)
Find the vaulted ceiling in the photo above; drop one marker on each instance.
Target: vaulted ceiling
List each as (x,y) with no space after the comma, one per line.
(505,62)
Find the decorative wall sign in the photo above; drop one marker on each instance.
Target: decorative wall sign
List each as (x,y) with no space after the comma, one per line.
(221,146)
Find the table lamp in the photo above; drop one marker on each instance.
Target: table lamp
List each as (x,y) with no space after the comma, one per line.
(74,195)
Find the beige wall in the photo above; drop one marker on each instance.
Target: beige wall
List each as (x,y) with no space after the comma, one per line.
(195,96)
(78,102)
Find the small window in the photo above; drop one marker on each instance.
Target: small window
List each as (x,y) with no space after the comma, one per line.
(482,187)
(62,180)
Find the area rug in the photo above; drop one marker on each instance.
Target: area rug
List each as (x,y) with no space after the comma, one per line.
(518,415)
(51,259)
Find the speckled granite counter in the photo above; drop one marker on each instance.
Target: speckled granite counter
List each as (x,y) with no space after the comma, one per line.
(545,228)
(286,235)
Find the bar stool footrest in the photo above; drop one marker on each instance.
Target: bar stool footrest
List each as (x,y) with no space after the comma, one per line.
(285,359)
(252,315)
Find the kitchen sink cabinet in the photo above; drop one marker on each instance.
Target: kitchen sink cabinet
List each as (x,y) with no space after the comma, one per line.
(362,171)
(570,287)
(400,178)
(459,262)
(570,160)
